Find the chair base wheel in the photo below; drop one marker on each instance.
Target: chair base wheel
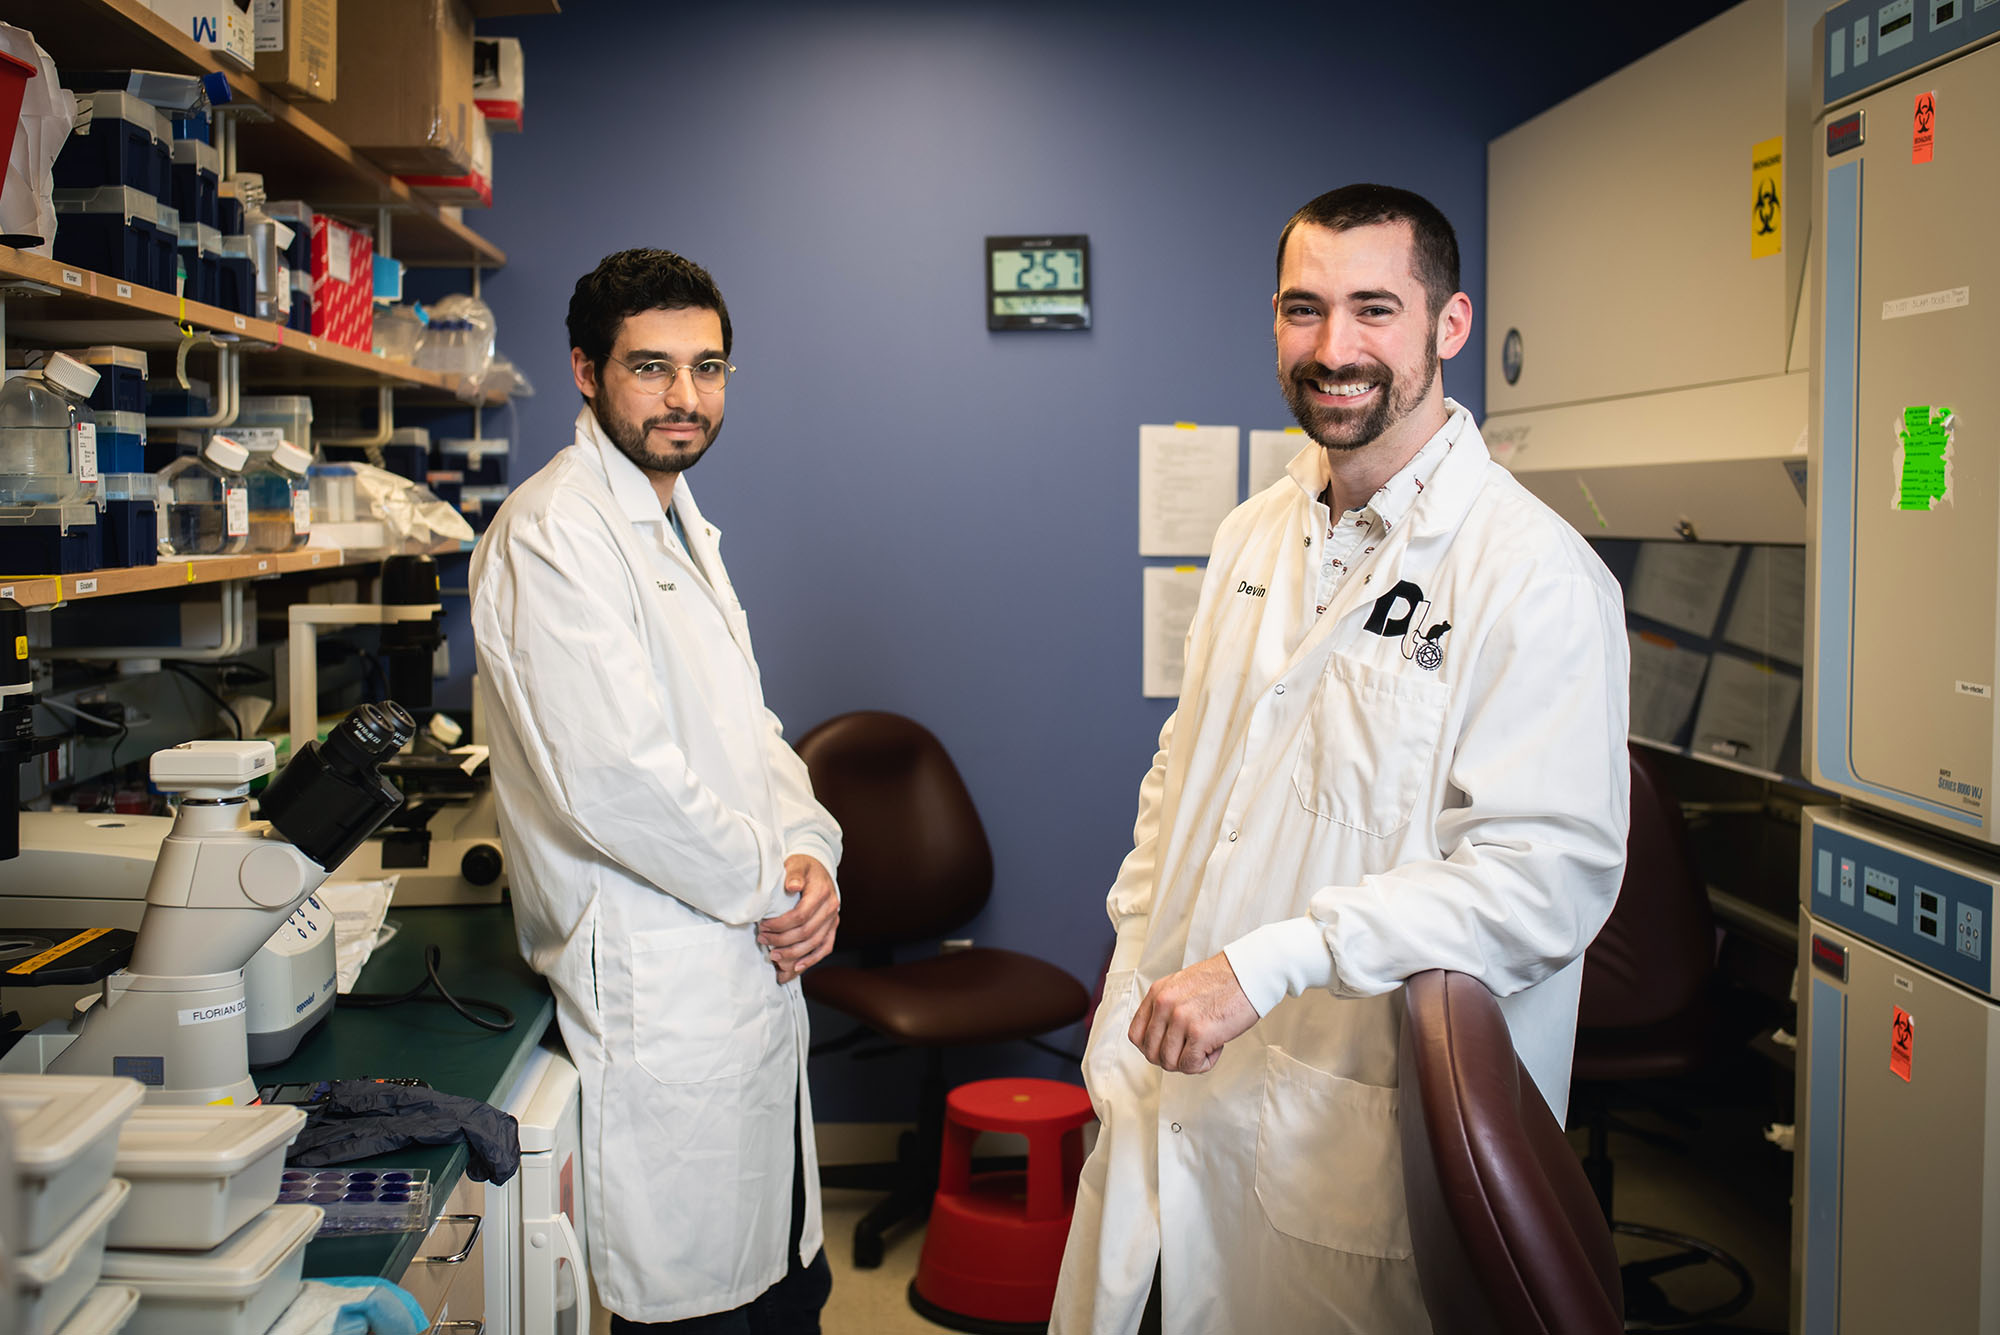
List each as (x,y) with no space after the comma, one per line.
(1647,1306)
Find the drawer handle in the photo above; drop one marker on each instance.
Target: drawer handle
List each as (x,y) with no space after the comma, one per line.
(463,1252)
(469,1327)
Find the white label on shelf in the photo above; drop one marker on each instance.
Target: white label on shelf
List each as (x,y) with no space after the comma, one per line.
(339,260)
(7,590)
(302,511)
(86,586)
(72,278)
(315,558)
(270,16)
(236,501)
(312,345)
(241,323)
(125,291)
(263,565)
(86,452)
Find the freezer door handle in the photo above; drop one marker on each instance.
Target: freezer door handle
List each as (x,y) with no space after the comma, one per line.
(556,1239)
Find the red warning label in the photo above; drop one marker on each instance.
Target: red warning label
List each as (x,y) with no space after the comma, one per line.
(1923,127)
(1902,1042)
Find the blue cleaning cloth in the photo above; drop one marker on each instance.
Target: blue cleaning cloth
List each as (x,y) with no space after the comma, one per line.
(352,1305)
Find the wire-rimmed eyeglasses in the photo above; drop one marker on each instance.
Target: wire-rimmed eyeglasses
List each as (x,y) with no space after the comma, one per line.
(656,375)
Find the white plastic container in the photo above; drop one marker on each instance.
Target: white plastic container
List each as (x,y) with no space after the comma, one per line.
(262,420)
(239,1288)
(104,1311)
(199,1174)
(54,1281)
(280,498)
(65,1140)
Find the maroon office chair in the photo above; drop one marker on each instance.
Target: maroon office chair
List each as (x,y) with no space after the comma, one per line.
(1507,1235)
(1647,1014)
(915,866)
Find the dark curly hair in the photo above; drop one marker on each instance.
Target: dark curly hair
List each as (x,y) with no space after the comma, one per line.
(632,281)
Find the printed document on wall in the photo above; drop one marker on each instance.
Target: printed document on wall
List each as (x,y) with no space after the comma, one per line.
(1187,483)
(1270,451)
(1681,584)
(1746,712)
(1170,594)
(1769,614)
(1665,680)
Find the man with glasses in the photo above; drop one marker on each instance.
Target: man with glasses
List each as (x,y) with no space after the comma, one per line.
(670,868)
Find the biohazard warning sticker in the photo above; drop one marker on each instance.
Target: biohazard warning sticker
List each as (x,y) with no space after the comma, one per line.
(1767,173)
(1902,1041)
(1923,127)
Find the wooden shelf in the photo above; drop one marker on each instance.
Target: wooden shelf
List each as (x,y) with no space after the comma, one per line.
(181,571)
(298,157)
(50,590)
(91,308)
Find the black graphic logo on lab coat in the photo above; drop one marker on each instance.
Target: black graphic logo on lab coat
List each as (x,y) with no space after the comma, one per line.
(1403,612)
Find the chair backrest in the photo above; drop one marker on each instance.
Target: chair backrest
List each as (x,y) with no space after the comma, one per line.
(915,862)
(1507,1234)
(1653,958)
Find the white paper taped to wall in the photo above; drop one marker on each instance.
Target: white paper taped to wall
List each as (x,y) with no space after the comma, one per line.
(1665,680)
(1169,596)
(1769,614)
(1270,451)
(1187,484)
(1681,584)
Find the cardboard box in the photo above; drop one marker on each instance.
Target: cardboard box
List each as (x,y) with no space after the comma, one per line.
(297,52)
(405,85)
(343,270)
(223,26)
(497,83)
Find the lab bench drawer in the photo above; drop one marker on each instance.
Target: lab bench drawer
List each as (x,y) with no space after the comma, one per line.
(447,1275)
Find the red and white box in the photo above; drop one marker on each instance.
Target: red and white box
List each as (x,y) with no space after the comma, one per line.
(343,270)
(497,85)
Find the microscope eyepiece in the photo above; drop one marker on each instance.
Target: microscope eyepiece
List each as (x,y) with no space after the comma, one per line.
(332,795)
(368,736)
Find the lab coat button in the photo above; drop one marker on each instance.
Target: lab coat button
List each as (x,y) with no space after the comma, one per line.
(1232,836)
(1280,689)
(1176,1128)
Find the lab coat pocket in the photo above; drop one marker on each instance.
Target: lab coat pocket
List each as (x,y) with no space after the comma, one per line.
(1330,1160)
(1108,1052)
(1368,745)
(701,1000)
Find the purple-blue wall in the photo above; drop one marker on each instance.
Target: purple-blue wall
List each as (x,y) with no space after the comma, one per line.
(923,516)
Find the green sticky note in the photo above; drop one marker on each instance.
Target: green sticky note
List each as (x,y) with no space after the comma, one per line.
(1925,433)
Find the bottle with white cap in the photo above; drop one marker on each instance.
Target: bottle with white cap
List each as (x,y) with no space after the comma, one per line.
(204,506)
(280,498)
(48,434)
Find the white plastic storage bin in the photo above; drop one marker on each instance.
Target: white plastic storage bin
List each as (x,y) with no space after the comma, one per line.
(65,1140)
(54,1281)
(239,1288)
(105,1311)
(199,1174)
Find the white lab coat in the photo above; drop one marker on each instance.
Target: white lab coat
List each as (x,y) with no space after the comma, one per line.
(1339,815)
(648,800)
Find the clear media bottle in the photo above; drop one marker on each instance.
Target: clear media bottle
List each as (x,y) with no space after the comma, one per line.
(48,435)
(204,507)
(280,498)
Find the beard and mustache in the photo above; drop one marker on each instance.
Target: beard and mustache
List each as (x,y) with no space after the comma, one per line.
(1337,428)
(630,437)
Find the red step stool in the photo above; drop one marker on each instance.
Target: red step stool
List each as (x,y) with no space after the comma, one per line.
(995,1240)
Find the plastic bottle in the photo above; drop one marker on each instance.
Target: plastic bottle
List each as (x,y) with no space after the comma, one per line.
(48,434)
(204,507)
(280,498)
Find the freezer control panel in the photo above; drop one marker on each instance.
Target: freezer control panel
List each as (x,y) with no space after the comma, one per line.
(1868,42)
(1929,914)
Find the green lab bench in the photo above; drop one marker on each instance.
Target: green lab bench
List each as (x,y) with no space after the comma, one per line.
(427,1040)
